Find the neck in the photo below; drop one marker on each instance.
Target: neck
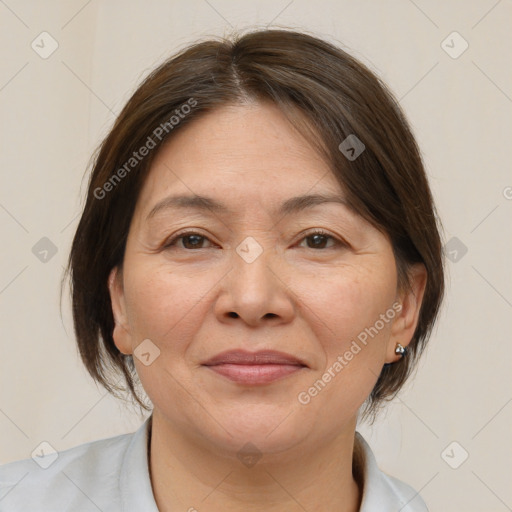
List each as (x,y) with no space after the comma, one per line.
(187,475)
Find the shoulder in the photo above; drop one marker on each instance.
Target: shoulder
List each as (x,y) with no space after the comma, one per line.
(84,478)
(382,491)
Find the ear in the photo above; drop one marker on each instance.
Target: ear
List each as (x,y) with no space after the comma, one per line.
(121,334)
(410,299)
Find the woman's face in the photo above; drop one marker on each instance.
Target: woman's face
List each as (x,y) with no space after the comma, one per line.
(251,276)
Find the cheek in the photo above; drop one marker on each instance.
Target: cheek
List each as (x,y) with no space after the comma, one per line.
(352,317)
(161,303)
(164,307)
(349,303)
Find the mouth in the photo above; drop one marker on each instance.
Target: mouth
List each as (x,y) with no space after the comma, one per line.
(253,368)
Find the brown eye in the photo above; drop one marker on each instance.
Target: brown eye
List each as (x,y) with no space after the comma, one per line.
(319,239)
(191,240)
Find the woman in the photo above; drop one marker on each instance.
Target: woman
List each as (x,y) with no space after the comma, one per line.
(260,248)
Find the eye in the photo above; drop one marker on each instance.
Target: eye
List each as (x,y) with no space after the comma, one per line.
(191,240)
(319,239)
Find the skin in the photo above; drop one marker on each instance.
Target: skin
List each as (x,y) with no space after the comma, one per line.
(294,297)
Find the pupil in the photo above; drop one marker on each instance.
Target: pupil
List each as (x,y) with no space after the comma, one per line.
(318,238)
(195,239)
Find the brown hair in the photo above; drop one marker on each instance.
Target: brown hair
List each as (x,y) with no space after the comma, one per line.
(328,95)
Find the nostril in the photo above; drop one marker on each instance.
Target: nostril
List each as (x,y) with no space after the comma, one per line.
(232,314)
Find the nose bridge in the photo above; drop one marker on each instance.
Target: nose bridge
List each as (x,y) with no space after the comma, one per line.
(254,289)
(250,249)
(253,259)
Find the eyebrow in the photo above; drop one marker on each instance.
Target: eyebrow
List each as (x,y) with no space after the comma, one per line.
(205,204)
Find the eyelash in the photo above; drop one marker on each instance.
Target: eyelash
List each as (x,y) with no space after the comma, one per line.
(337,242)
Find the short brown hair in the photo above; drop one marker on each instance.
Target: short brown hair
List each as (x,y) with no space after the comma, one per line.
(328,95)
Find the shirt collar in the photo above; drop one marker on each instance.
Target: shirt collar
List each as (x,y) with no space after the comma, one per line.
(379,489)
(134,481)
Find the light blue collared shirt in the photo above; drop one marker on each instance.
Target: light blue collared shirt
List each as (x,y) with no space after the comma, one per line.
(111,475)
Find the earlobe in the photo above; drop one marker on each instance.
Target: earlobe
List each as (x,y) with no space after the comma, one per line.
(410,300)
(121,332)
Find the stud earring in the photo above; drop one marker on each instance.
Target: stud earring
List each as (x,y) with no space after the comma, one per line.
(400,350)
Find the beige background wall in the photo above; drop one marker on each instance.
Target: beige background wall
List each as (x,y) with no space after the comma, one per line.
(55,110)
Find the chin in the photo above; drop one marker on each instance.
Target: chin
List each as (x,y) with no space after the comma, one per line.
(268,429)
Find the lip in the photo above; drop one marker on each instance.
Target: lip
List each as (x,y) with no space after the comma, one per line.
(244,357)
(253,368)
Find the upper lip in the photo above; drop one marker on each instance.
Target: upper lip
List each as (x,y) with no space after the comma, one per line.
(254,358)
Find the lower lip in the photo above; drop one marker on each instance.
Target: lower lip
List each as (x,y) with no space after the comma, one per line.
(255,373)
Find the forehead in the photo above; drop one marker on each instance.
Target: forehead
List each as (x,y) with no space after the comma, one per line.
(241,154)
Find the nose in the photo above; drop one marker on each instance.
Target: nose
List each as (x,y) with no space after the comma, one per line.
(256,290)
